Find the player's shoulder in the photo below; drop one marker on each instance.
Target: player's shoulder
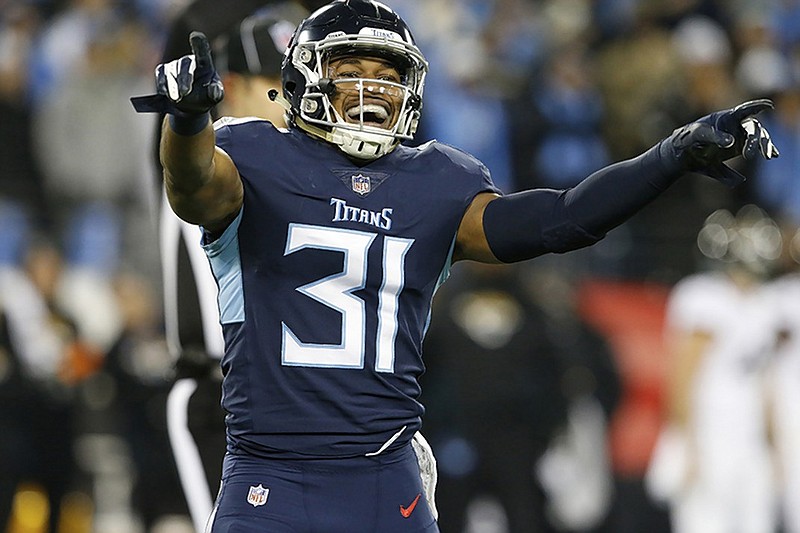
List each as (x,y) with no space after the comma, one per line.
(242,125)
(701,282)
(701,290)
(448,155)
(704,298)
(239,135)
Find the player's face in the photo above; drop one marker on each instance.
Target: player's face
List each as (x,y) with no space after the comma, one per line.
(380,83)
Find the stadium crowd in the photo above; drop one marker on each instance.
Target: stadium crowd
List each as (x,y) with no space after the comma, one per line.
(542,91)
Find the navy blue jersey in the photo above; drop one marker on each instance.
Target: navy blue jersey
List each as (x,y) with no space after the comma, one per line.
(326,279)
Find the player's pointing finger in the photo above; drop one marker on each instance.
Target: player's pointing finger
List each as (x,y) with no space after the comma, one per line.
(201,50)
(753,107)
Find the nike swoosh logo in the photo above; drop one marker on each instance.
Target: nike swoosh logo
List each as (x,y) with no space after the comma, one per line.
(406,511)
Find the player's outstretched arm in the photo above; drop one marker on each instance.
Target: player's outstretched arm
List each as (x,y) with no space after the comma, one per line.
(202,183)
(528,224)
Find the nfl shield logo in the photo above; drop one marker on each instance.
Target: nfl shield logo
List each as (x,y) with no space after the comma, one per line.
(257,496)
(361,184)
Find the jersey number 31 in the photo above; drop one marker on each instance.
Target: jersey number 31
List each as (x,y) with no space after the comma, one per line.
(336,292)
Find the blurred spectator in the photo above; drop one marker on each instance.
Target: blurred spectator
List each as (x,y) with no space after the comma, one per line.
(488,355)
(99,200)
(478,46)
(784,25)
(63,43)
(761,70)
(492,355)
(575,472)
(671,14)
(705,54)
(45,360)
(21,194)
(637,73)
(676,62)
(613,17)
(777,189)
(713,462)
(140,368)
(557,123)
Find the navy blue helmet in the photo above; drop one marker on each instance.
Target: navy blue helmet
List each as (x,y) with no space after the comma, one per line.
(361,28)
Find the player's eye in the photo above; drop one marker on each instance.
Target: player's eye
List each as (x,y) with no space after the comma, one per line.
(346,74)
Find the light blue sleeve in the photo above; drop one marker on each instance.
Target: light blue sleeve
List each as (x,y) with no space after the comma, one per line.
(226,265)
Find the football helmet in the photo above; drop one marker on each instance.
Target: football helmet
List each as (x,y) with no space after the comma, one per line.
(361,28)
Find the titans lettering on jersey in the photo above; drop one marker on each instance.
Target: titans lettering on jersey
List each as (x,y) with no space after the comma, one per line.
(326,279)
(380,219)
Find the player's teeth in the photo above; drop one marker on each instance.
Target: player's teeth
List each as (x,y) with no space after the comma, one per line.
(379,111)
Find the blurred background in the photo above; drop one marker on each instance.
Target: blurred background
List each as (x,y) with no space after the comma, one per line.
(550,384)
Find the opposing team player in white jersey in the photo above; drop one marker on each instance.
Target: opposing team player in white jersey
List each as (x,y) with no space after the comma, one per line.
(328,240)
(784,292)
(714,462)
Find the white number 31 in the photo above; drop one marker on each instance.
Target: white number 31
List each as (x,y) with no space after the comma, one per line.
(336,291)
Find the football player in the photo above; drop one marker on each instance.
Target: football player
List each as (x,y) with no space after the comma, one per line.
(327,240)
(720,333)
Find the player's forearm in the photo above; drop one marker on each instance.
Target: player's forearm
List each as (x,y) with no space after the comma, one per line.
(524,225)
(188,160)
(612,195)
(202,183)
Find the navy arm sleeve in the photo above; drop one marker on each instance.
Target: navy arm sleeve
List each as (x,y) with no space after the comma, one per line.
(527,224)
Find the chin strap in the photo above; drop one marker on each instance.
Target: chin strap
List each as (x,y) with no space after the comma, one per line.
(338,138)
(316,131)
(278,98)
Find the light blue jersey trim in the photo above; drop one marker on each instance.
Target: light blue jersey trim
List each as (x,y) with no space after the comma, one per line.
(448,265)
(443,275)
(226,265)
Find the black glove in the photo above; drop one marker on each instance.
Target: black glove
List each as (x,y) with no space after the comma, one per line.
(703,145)
(186,86)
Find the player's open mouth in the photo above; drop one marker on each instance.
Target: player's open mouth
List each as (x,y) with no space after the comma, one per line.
(374,115)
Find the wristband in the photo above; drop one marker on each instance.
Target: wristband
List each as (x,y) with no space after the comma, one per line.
(188,124)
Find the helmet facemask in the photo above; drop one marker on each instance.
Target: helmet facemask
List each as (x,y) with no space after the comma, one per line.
(366,132)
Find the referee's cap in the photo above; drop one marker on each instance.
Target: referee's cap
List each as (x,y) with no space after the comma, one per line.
(256,44)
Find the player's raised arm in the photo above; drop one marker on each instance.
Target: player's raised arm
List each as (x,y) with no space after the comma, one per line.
(202,183)
(527,224)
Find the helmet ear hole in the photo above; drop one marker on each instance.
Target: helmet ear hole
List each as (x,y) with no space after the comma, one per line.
(289,87)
